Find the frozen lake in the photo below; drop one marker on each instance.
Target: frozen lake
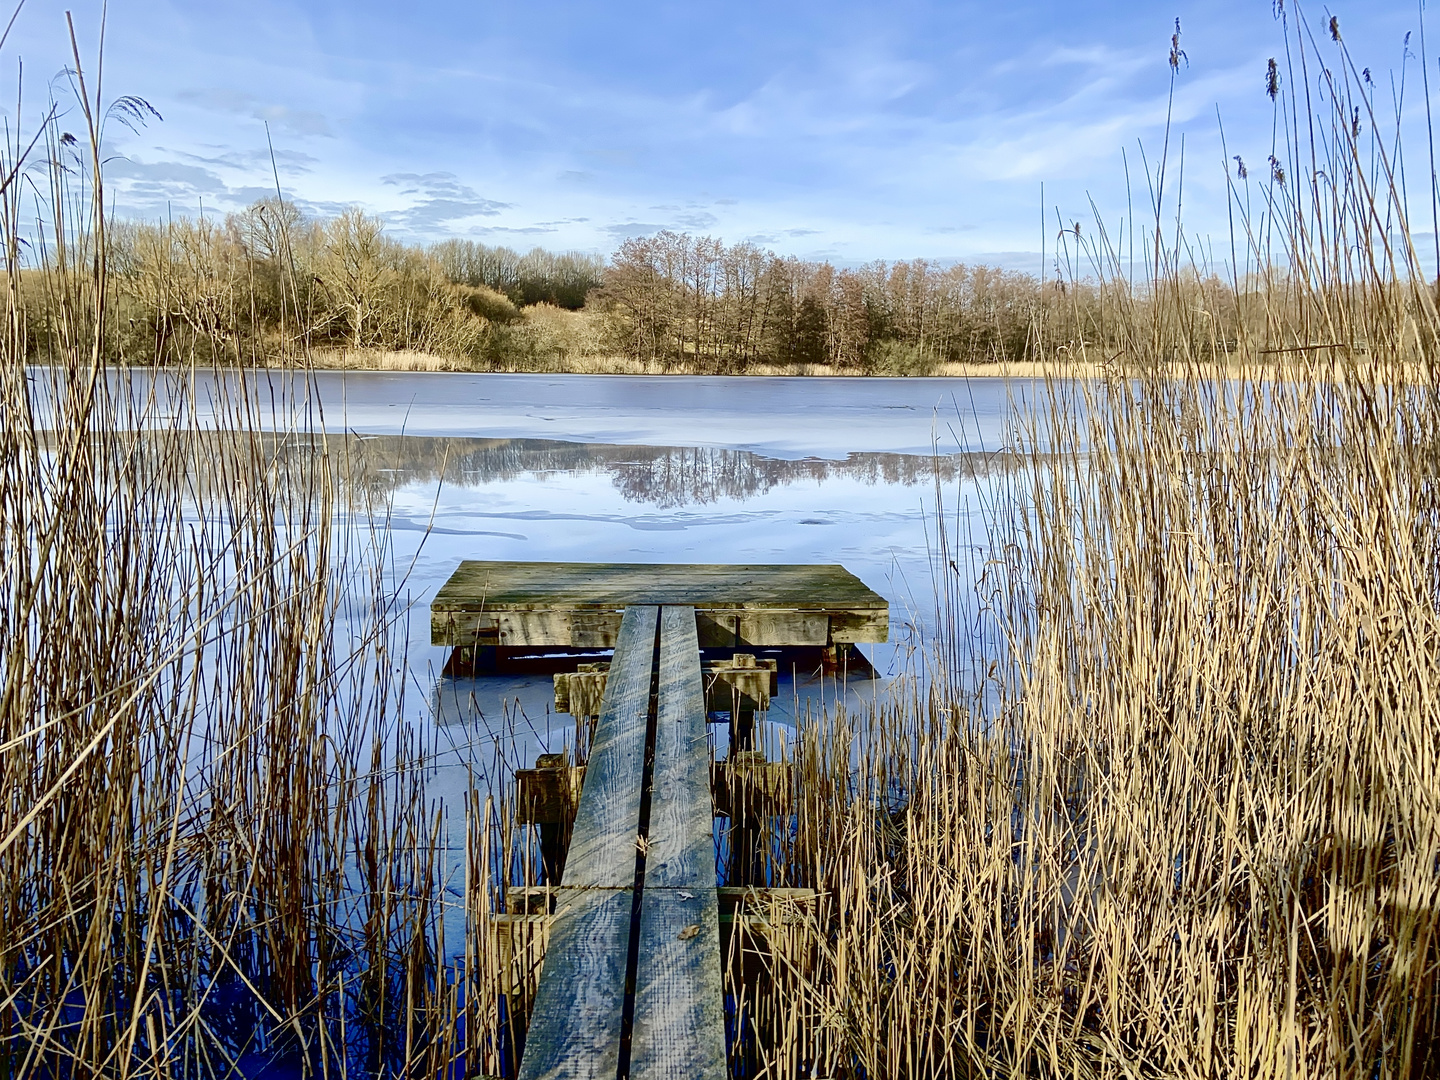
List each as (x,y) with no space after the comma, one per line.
(630,469)
(669,469)
(633,469)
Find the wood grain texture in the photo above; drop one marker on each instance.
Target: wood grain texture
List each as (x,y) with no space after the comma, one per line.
(681,852)
(579,604)
(722,627)
(574,1030)
(607,821)
(679,1009)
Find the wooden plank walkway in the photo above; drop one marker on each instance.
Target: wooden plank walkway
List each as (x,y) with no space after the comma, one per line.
(679,1006)
(576,1020)
(668,959)
(630,986)
(607,821)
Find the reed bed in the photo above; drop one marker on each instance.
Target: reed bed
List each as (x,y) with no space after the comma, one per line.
(1160,801)
(1170,806)
(1194,828)
(217,850)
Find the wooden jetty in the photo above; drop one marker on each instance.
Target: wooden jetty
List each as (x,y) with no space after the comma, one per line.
(579,605)
(631,979)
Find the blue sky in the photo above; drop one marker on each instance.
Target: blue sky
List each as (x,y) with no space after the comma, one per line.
(842,130)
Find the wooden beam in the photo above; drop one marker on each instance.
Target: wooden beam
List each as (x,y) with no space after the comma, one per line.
(760,909)
(722,628)
(574,1031)
(607,822)
(579,604)
(681,849)
(679,1028)
(679,1004)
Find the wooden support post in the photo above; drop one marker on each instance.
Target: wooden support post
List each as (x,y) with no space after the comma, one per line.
(548,796)
(747,787)
(581,692)
(741,686)
(748,791)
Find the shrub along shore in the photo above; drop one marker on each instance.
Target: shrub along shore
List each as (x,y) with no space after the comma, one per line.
(273,288)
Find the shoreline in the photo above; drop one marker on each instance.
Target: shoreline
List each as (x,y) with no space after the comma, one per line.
(422,363)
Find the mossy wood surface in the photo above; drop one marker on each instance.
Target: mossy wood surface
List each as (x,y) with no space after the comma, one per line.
(607,821)
(679,1003)
(679,1015)
(574,1030)
(579,605)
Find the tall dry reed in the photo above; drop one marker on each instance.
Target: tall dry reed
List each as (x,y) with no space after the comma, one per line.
(217,849)
(1171,807)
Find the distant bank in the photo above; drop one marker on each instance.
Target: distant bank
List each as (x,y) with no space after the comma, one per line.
(410,360)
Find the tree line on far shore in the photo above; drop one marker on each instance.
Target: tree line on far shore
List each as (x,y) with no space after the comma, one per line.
(268,284)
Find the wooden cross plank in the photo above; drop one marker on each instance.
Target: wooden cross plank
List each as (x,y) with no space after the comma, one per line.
(679,1028)
(478,584)
(607,821)
(574,1031)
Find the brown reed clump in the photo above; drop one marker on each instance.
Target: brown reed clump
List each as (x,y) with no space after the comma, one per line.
(1171,807)
(216,845)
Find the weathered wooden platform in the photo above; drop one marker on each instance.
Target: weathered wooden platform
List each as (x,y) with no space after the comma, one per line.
(579,605)
(630,984)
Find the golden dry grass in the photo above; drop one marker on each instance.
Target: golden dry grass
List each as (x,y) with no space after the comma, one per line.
(1167,806)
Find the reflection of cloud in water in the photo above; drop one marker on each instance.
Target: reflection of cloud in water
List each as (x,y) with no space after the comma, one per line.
(663,476)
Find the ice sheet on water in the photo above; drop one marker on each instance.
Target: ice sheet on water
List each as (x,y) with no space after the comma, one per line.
(780,417)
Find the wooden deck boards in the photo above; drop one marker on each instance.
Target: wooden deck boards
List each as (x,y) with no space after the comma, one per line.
(575,1023)
(681,849)
(607,820)
(664,940)
(679,1003)
(574,1031)
(679,1028)
(579,604)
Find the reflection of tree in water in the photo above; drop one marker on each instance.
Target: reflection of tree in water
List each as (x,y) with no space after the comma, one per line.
(370,467)
(665,476)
